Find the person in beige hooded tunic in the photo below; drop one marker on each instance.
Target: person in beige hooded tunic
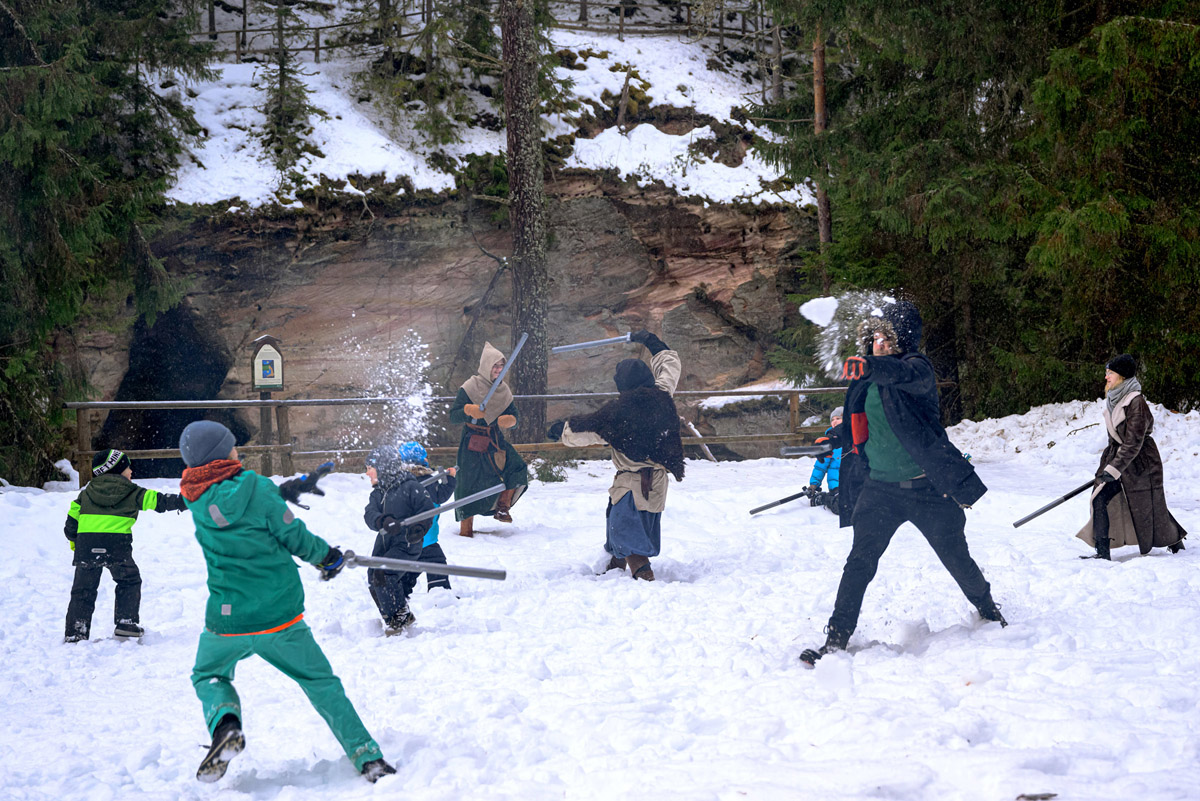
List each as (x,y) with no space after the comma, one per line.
(642,427)
(1128,505)
(485,457)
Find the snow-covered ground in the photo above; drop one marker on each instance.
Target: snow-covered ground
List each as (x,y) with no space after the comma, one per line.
(559,683)
(357,138)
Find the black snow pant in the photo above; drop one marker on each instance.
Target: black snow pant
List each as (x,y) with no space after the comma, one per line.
(434,555)
(1100,517)
(881,509)
(128,593)
(389,588)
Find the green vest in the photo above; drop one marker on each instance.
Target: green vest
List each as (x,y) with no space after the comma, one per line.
(888,459)
(109,504)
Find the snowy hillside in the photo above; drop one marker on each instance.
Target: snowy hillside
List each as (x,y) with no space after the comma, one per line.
(559,683)
(357,138)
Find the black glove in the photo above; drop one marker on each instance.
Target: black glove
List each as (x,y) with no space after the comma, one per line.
(1106,477)
(555,431)
(652,343)
(413,536)
(291,489)
(332,564)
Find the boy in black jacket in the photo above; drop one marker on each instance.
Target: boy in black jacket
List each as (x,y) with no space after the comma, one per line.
(898,466)
(397,495)
(100,528)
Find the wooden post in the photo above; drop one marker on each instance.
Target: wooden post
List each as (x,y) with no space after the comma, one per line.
(583,10)
(264,432)
(212,20)
(794,411)
(317,46)
(83,442)
(237,45)
(689,22)
(285,438)
(621,23)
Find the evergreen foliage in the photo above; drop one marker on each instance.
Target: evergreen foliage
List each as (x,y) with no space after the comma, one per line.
(285,98)
(1024,171)
(89,132)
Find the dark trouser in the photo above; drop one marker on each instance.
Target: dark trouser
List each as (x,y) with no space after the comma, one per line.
(1100,516)
(390,589)
(83,595)
(883,508)
(434,555)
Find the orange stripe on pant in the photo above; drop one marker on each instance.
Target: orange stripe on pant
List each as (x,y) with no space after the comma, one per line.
(291,622)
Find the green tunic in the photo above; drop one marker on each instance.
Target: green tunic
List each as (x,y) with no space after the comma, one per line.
(478,471)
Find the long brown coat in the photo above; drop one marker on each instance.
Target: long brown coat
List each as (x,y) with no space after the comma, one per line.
(1138,514)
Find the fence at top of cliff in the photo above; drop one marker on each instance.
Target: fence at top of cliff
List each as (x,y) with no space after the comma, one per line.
(737,22)
(289,450)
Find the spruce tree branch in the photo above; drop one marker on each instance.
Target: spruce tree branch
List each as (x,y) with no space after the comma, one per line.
(21,29)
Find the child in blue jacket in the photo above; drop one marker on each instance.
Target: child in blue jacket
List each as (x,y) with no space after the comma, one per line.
(827,468)
(414,459)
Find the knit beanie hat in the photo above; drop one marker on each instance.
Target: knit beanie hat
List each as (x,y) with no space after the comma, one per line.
(111,461)
(205,441)
(386,461)
(1123,365)
(631,374)
(835,413)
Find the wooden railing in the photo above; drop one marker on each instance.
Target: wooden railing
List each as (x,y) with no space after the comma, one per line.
(289,451)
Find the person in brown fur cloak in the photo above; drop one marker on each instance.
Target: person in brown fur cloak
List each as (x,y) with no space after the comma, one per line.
(642,428)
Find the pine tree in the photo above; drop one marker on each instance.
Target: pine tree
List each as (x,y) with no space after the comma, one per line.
(90,127)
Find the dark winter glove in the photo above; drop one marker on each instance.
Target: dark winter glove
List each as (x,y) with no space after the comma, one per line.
(854,368)
(170,503)
(1106,477)
(332,564)
(555,431)
(652,343)
(413,536)
(293,487)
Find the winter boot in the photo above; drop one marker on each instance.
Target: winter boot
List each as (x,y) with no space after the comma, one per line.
(376,769)
(834,641)
(990,610)
(1176,548)
(615,563)
(128,629)
(639,567)
(398,622)
(76,637)
(1102,548)
(228,741)
(503,504)
(466,528)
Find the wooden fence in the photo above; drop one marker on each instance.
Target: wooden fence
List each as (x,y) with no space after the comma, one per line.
(290,451)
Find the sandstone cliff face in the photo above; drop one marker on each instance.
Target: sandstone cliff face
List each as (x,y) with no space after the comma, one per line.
(341,290)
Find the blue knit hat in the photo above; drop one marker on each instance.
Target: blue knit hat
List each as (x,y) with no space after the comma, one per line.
(205,441)
(413,453)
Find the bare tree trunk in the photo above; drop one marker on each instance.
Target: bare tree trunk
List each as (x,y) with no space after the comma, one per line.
(527,209)
(820,123)
(212,19)
(583,10)
(777,66)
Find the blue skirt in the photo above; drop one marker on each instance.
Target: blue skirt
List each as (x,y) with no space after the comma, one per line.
(630,531)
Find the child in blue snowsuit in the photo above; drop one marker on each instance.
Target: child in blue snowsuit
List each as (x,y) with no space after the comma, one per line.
(397,496)
(827,467)
(413,459)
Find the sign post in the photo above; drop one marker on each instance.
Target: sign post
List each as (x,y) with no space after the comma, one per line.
(266,369)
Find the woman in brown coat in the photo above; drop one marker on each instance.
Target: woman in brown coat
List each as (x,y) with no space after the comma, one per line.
(1128,506)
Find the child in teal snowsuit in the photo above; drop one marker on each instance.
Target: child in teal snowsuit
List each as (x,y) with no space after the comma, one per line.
(249,537)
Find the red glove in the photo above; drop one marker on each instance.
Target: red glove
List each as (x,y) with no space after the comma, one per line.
(855,368)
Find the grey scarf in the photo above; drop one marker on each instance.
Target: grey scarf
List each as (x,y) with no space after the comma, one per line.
(1118,393)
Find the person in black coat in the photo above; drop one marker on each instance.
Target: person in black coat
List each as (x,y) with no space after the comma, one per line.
(397,495)
(899,466)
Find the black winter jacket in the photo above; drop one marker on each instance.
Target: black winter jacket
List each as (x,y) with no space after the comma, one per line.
(908,388)
(402,497)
